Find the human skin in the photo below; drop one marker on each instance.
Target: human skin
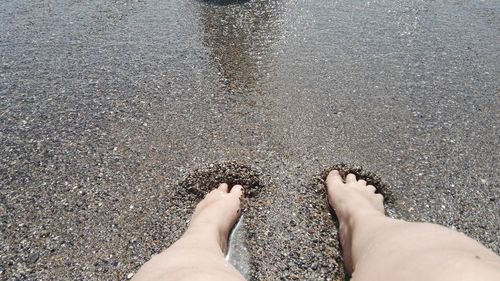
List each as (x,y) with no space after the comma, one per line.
(199,253)
(376,247)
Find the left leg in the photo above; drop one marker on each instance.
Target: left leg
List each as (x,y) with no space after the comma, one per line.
(199,253)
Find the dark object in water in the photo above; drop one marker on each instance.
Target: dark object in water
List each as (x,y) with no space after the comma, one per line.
(225,2)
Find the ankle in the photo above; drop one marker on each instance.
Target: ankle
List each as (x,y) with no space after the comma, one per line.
(206,233)
(363,216)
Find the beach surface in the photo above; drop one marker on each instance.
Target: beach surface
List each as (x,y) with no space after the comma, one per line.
(117,116)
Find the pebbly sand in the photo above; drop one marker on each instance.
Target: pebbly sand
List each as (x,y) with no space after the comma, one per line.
(116,117)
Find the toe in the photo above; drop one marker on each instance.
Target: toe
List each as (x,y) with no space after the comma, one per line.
(334,177)
(237,191)
(371,188)
(351,178)
(223,187)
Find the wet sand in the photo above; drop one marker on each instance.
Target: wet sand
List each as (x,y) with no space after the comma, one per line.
(115,117)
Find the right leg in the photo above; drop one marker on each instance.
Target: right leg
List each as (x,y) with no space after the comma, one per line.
(376,247)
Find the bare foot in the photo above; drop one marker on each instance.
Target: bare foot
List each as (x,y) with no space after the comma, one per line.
(349,200)
(218,211)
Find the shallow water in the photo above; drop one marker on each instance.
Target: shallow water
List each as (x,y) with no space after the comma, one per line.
(105,106)
(238,254)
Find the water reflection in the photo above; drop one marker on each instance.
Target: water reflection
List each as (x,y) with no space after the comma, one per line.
(239,37)
(238,254)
